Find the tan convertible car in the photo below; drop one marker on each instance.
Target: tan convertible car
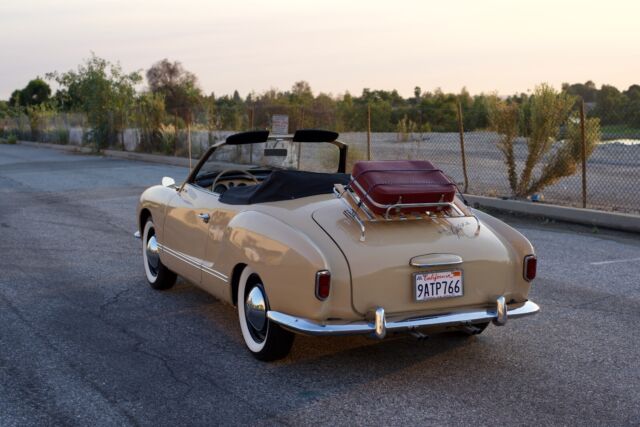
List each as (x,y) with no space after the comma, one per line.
(303,252)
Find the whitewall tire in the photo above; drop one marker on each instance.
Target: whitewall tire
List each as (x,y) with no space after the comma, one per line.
(265,340)
(158,276)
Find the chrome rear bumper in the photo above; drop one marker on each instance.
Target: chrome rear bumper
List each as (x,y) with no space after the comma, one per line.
(380,324)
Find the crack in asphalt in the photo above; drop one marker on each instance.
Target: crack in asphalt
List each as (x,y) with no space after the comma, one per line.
(137,346)
(164,360)
(66,361)
(114,299)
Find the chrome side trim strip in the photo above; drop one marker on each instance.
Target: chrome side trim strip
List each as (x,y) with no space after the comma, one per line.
(194,262)
(375,328)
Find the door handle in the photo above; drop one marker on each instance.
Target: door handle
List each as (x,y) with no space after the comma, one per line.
(204,217)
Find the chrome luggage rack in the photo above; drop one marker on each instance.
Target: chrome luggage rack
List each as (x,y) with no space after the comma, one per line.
(359,212)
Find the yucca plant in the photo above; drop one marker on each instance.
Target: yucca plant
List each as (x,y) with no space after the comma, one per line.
(568,156)
(540,118)
(504,118)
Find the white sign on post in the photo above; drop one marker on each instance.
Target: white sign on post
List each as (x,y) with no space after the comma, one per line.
(279,124)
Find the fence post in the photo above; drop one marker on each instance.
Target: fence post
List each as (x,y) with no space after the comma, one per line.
(189,143)
(123,127)
(464,159)
(368,131)
(584,156)
(299,143)
(252,112)
(175,142)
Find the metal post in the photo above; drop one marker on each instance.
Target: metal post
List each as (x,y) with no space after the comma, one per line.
(464,159)
(189,143)
(252,112)
(369,132)
(584,156)
(299,143)
(175,142)
(122,126)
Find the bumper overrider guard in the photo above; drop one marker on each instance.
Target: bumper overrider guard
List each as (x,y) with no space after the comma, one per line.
(379,325)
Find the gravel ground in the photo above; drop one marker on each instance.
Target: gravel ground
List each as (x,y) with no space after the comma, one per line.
(84,340)
(613,170)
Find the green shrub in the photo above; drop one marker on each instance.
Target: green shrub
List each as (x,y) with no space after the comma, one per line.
(12,139)
(540,118)
(405,128)
(62,136)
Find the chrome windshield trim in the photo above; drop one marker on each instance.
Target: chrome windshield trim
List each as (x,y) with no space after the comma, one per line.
(202,189)
(363,327)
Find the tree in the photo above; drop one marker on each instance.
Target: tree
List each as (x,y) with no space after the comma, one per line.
(503,118)
(301,92)
(477,117)
(4,109)
(150,112)
(587,91)
(15,98)
(104,92)
(632,108)
(36,92)
(610,105)
(178,86)
(568,156)
(547,110)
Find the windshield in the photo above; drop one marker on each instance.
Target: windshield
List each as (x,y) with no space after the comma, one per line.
(273,155)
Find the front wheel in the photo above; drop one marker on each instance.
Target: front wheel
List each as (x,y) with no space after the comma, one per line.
(266,340)
(158,276)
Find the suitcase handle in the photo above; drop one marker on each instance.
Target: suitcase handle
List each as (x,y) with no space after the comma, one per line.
(396,170)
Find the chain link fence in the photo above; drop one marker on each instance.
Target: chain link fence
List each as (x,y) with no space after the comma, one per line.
(608,181)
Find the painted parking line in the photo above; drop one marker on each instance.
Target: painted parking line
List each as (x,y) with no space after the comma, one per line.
(614,261)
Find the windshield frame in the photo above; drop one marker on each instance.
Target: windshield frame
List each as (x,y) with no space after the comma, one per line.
(191,178)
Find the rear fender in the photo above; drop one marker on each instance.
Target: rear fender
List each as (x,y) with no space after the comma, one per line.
(519,247)
(286,259)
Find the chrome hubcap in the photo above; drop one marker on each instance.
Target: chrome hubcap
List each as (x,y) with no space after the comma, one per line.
(255,309)
(153,256)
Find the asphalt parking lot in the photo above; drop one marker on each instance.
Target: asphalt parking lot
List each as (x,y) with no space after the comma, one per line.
(85,341)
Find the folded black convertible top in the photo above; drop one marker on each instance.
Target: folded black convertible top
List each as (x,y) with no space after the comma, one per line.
(284,185)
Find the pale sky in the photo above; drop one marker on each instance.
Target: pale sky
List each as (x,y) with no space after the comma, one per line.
(335,45)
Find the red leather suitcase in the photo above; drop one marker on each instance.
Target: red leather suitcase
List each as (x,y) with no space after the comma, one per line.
(381,184)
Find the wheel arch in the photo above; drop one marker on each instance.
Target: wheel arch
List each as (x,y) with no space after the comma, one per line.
(145,214)
(284,258)
(235,281)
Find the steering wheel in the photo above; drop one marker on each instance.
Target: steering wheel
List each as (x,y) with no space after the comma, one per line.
(228,171)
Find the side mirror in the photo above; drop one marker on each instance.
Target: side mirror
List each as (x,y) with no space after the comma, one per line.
(167,181)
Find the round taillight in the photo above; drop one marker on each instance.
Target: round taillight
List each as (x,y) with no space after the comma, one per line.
(530,266)
(323,284)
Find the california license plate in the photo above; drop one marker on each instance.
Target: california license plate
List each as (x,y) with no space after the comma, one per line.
(437,284)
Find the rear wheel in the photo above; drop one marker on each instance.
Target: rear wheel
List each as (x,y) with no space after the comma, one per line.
(265,340)
(158,276)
